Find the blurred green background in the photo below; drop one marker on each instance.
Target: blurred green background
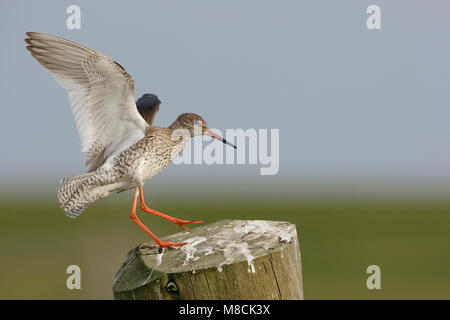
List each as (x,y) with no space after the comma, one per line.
(340,235)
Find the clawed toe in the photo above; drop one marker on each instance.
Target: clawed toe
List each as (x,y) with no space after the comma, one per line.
(182,223)
(169,244)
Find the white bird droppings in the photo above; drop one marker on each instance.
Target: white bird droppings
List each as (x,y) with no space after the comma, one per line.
(234,249)
(158,263)
(189,248)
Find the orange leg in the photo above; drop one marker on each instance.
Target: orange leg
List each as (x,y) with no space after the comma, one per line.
(176,221)
(143,227)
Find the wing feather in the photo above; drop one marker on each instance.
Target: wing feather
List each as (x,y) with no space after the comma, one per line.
(101,95)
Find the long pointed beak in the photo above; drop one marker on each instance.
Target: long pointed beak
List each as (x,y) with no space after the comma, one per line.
(216,136)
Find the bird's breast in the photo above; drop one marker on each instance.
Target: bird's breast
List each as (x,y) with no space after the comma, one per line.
(148,157)
(156,159)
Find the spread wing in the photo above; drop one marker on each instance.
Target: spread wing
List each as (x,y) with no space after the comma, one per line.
(101,95)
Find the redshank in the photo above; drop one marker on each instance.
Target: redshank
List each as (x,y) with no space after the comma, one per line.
(123,149)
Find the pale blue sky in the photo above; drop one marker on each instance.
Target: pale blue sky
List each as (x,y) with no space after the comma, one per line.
(347,101)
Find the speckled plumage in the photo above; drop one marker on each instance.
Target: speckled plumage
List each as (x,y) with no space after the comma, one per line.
(130,168)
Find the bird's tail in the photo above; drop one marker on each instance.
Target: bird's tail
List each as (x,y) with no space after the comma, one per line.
(76,193)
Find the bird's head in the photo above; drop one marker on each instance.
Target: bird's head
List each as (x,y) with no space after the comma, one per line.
(196,126)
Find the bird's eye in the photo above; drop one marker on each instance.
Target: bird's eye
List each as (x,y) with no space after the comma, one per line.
(197,122)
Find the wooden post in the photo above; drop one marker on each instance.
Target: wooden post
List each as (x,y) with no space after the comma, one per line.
(229,259)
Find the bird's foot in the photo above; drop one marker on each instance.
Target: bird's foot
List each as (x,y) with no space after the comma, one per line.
(168,244)
(181,223)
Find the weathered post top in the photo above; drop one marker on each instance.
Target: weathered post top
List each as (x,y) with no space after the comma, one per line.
(229,259)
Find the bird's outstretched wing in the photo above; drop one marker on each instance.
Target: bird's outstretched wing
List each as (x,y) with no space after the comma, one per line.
(101,95)
(148,106)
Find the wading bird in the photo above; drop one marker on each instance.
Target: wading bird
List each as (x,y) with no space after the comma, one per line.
(123,150)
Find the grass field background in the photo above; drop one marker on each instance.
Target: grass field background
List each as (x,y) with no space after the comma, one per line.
(408,237)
